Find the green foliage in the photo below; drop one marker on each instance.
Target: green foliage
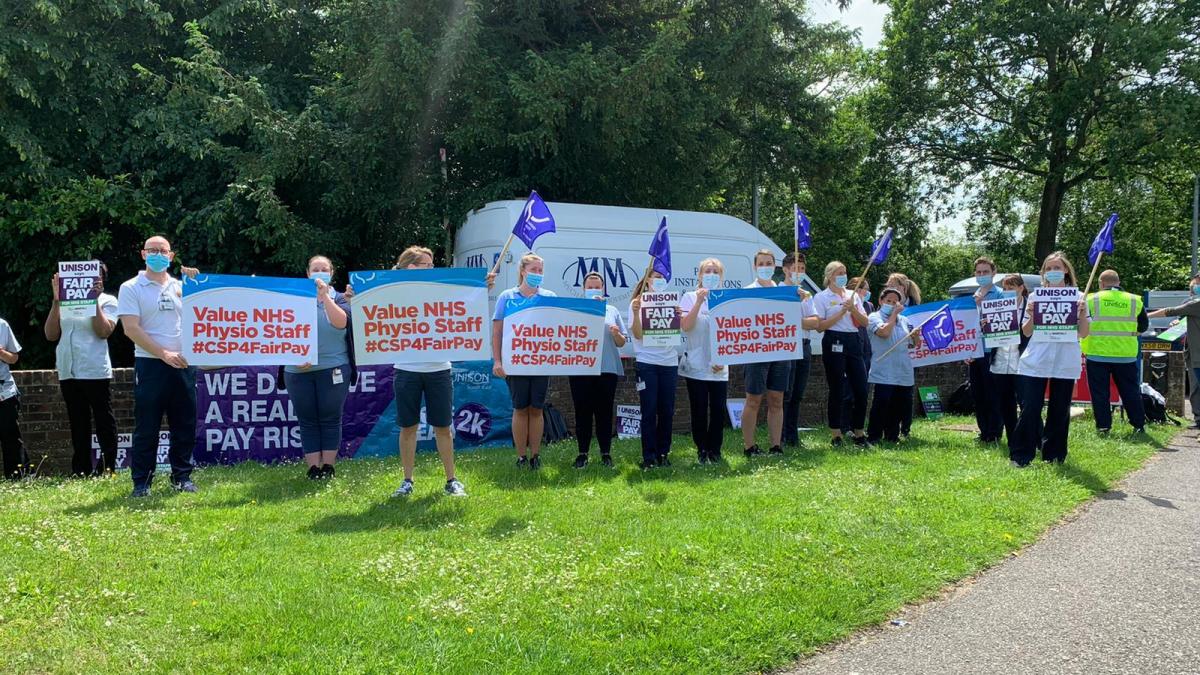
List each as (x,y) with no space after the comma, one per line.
(1063,93)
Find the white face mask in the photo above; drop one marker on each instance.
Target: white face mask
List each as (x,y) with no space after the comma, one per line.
(710,280)
(764,273)
(658,283)
(796,277)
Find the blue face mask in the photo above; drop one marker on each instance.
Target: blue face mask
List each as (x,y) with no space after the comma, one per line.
(710,280)
(658,283)
(534,280)
(323,276)
(592,293)
(840,281)
(983,279)
(1195,290)
(866,296)
(764,273)
(157,262)
(1008,294)
(1055,276)
(886,310)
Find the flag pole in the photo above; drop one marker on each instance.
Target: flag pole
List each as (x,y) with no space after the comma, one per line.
(1092,277)
(914,331)
(503,251)
(863,277)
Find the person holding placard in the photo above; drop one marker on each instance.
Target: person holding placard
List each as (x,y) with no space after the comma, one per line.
(658,373)
(85,377)
(837,308)
(1054,361)
(892,372)
(794,265)
(766,378)
(707,383)
(1005,360)
(432,381)
(1113,351)
(912,298)
(150,309)
(12,446)
(595,395)
(528,392)
(318,390)
(979,372)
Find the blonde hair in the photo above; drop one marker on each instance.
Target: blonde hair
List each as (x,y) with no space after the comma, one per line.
(911,290)
(410,256)
(831,268)
(1070,279)
(763,251)
(705,263)
(526,261)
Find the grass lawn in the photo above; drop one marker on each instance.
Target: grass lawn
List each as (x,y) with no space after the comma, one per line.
(727,568)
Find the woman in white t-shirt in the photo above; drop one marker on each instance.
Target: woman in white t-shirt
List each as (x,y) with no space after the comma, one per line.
(1057,364)
(838,308)
(84,376)
(658,372)
(433,381)
(707,384)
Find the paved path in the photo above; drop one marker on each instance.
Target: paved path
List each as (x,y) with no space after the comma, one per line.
(1116,590)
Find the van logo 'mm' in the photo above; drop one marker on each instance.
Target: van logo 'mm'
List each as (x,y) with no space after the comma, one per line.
(616,272)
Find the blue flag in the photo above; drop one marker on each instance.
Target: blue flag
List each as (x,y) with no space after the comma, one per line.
(803,229)
(534,221)
(660,250)
(1104,240)
(938,330)
(881,247)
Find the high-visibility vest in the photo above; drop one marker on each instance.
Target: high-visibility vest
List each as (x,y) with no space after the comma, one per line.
(1114,330)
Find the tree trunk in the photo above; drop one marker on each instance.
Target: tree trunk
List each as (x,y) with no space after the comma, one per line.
(1047,231)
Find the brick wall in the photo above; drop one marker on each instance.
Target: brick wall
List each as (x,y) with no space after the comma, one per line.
(44,418)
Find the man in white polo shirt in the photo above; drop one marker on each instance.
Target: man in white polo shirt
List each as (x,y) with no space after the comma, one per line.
(149,306)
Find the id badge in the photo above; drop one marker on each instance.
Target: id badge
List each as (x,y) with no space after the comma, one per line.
(836,347)
(165,303)
(337,376)
(641,386)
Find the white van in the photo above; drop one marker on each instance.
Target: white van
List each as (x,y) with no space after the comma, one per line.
(612,240)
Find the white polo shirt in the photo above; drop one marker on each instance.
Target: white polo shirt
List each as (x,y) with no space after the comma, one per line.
(81,354)
(159,307)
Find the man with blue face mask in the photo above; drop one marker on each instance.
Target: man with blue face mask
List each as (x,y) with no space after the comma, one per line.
(1190,310)
(150,309)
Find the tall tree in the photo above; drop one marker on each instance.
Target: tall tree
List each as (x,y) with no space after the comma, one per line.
(1062,91)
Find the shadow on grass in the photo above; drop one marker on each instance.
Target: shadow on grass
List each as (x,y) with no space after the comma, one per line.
(427,512)
(1084,478)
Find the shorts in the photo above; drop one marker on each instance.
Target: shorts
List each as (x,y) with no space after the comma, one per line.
(528,390)
(767,376)
(438,388)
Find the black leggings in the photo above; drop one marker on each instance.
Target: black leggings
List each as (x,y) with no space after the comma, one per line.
(89,400)
(844,365)
(706,398)
(593,397)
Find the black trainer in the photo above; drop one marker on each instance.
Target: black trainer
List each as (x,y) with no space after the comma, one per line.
(646,466)
(535,463)
(703,456)
(606,460)
(314,473)
(776,450)
(862,442)
(327,471)
(522,461)
(714,456)
(752,451)
(836,441)
(663,461)
(581,461)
